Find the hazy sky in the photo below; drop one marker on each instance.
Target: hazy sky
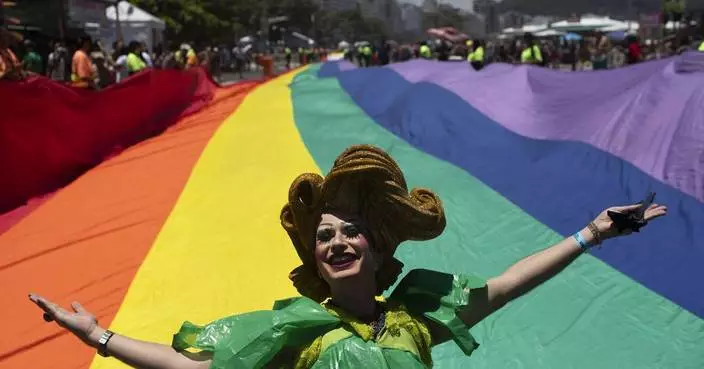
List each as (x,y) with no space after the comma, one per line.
(463,4)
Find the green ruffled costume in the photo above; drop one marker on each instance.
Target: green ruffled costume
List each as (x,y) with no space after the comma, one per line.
(303,327)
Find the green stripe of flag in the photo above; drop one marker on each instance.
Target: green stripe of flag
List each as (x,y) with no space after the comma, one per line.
(591,316)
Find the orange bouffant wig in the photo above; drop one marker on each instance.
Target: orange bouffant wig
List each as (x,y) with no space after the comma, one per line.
(367,182)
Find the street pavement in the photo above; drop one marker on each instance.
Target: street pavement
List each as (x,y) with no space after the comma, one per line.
(253,74)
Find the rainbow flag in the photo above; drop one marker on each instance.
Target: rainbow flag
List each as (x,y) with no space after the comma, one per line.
(185,225)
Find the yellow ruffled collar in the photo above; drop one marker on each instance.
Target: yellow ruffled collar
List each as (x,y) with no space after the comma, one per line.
(364,330)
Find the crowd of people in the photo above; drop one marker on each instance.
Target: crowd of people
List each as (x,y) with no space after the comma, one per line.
(594,51)
(88,64)
(85,63)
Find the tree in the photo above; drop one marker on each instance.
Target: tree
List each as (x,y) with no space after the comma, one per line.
(205,21)
(226,20)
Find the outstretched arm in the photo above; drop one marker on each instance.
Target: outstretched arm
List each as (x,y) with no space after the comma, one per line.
(149,355)
(137,354)
(535,269)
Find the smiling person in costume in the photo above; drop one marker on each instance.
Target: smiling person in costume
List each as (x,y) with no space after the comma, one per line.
(346,228)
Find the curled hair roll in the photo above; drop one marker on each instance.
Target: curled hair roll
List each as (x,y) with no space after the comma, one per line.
(365,181)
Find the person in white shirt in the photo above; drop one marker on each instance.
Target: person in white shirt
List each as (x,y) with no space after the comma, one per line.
(146,56)
(57,63)
(121,71)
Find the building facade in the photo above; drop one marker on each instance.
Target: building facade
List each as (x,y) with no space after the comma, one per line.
(387,11)
(412,20)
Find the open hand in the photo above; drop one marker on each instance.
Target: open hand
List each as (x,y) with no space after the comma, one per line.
(606,225)
(80,322)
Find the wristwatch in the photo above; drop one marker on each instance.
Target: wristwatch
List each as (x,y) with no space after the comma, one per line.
(103,343)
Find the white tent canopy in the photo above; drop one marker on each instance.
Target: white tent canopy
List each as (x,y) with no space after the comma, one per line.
(530,28)
(621,27)
(586,23)
(135,25)
(132,14)
(246,40)
(549,33)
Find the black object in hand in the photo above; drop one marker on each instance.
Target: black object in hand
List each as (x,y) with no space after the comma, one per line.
(634,219)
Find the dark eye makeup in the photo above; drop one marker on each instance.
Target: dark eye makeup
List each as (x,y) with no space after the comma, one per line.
(351,230)
(327,234)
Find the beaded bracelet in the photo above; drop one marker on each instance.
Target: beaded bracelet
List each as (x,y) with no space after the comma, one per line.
(595,232)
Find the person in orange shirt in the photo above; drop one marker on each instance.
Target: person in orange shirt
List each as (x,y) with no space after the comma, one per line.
(10,67)
(82,71)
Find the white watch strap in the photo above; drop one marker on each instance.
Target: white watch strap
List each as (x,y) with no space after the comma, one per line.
(103,343)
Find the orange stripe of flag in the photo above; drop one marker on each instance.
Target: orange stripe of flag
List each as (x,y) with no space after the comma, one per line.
(87,242)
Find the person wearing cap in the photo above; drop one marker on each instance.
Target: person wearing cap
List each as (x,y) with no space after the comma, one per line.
(346,228)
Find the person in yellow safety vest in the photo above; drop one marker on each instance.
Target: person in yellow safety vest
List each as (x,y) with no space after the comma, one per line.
(531,53)
(367,55)
(425,51)
(180,57)
(135,64)
(186,56)
(470,47)
(476,57)
(301,56)
(701,47)
(288,54)
(191,58)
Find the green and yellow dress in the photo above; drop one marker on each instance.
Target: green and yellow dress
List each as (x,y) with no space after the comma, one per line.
(300,333)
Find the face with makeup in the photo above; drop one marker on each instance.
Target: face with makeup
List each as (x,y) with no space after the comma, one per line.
(343,252)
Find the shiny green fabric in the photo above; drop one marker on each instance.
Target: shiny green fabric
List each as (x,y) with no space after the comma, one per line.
(252,340)
(353,352)
(438,296)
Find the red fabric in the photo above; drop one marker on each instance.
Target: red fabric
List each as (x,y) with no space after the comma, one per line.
(51,133)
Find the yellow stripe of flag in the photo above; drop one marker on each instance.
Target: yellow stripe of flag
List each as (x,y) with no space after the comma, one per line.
(222,250)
